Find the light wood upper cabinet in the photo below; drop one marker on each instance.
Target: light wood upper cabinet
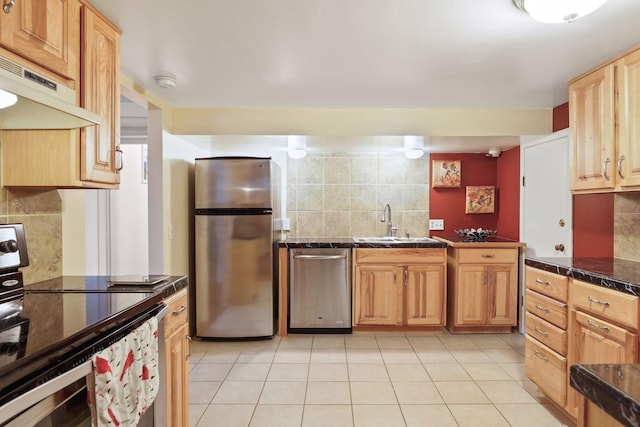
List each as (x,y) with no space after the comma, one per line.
(84,158)
(628,79)
(591,123)
(46,32)
(399,287)
(100,93)
(604,109)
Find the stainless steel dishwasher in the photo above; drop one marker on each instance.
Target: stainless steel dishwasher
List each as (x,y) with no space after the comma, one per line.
(320,290)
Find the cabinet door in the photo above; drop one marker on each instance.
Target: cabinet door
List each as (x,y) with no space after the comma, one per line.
(594,340)
(591,122)
(376,295)
(628,81)
(502,295)
(45,32)
(177,377)
(100,94)
(425,297)
(471,295)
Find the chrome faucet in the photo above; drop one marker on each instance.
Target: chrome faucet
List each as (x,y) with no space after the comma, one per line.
(390,227)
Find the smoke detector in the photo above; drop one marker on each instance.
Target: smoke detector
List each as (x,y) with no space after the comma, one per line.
(165,81)
(493,152)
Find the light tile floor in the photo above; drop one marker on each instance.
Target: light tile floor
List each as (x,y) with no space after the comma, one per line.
(366,380)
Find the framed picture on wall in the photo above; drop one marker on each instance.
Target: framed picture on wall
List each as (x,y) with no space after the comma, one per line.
(445,173)
(480,200)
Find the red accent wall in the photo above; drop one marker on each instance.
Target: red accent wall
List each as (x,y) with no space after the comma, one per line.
(449,203)
(561,117)
(509,190)
(592,213)
(593,225)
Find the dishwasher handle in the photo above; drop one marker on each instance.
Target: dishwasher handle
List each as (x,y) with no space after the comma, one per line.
(319,256)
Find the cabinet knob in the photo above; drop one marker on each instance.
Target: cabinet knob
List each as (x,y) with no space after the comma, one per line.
(559,247)
(8,5)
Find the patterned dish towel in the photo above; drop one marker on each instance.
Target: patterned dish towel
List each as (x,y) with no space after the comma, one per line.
(125,380)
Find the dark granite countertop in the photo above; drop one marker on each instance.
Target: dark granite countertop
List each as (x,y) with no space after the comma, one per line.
(614,273)
(350,243)
(613,388)
(492,241)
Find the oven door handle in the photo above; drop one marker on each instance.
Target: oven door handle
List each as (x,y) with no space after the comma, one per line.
(32,397)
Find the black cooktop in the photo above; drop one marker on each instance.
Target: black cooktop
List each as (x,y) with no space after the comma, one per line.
(100,284)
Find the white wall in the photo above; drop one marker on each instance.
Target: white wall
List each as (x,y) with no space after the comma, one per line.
(129,217)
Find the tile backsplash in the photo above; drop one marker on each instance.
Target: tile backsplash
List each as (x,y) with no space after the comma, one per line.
(333,195)
(40,212)
(626,226)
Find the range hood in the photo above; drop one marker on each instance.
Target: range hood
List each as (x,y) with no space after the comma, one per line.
(42,103)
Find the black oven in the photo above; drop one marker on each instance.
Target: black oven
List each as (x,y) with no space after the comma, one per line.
(62,400)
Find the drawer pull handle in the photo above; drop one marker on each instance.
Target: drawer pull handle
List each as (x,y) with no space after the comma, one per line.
(595,325)
(541,332)
(540,307)
(597,301)
(487,256)
(540,356)
(542,282)
(180,310)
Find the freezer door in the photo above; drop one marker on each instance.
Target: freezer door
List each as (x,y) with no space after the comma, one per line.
(234,276)
(233,183)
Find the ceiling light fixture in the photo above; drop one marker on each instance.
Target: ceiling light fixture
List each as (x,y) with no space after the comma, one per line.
(493,152)
(297,146)
(413,146)
(166,81)
(7,99)
(558,11)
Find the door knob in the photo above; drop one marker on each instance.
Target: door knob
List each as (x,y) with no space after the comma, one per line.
(560,247)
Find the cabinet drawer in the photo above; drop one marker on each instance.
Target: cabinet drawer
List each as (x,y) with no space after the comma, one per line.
(487,256)
(177,315)
(547,369)
(546,308)
(547,333)
(616,338)
(612,305)
(549,284)
(401,256)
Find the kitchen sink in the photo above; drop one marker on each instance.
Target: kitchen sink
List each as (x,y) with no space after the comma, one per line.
(394,239)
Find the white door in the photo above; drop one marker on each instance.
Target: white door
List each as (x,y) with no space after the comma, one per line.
(545,199)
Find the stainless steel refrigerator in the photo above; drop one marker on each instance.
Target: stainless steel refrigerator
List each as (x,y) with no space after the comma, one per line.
(236,201)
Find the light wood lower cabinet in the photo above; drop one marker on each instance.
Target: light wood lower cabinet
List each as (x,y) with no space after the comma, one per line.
(603,327)
(376,294)
(176,364)
(546,325)
(483,289)
(399,287)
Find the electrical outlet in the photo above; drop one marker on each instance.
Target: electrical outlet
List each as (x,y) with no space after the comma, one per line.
(436,224)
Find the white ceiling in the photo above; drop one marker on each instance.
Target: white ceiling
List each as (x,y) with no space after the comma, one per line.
(363,53)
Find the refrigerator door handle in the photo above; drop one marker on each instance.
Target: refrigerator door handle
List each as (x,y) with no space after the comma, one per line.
(319,256)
